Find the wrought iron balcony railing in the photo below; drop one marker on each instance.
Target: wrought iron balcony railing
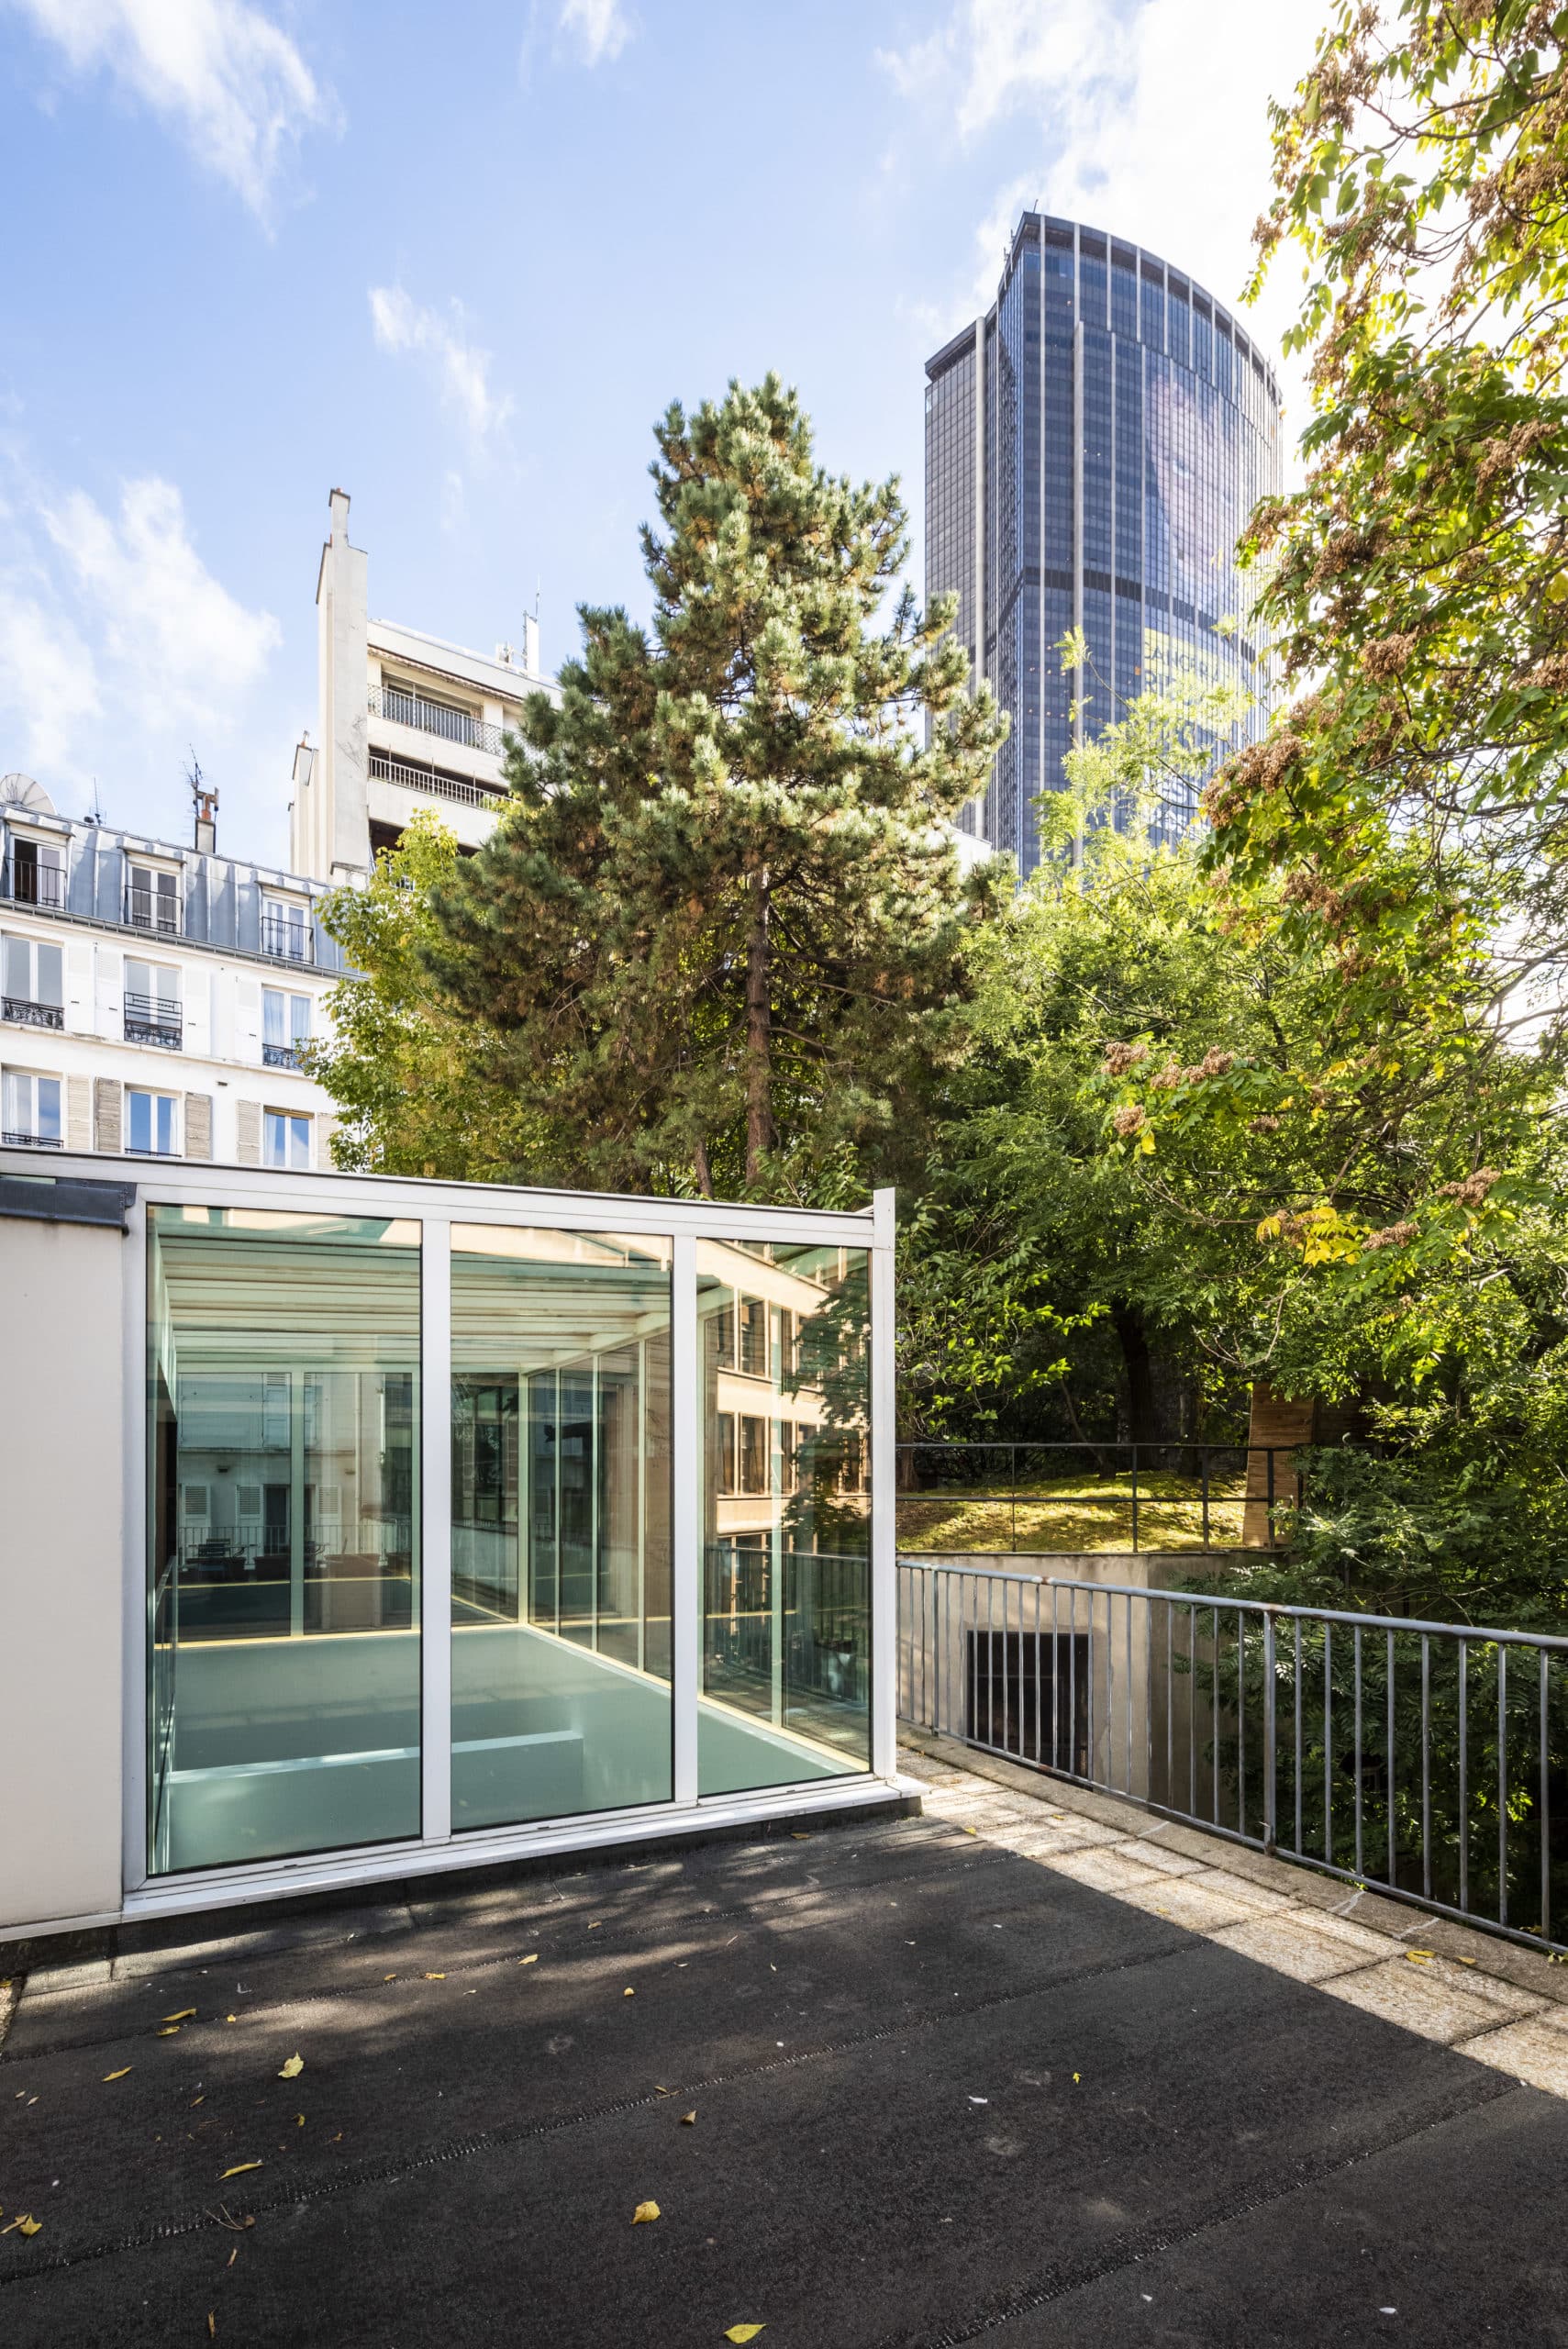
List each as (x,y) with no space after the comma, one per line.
(279,1056)
(149,1020)
(33,1014)
(435,717)
(31,1140)
(292,941)
(438,786)
(33,884)
(155,909)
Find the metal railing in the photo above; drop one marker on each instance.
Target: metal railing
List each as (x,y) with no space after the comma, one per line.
(32,1140)
(291,941)
(33,884)
(1428,1760)
(159,911)
(439,786)
(28,1014)
(279,1056)
(1025,1500)
(435,717)
(152,1020)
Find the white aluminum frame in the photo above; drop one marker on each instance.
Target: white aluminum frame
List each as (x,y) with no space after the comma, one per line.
(435,1206)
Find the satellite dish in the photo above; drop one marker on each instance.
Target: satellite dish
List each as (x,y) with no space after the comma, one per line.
(19,795)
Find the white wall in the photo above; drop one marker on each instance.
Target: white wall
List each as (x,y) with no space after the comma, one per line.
(61,1564)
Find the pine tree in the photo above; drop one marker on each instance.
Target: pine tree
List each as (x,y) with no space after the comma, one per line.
(720,930)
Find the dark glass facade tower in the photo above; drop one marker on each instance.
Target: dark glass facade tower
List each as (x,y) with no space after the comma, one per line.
(1094,446)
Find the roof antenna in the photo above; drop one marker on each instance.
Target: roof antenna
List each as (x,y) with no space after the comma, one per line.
(96,817)
(203,799)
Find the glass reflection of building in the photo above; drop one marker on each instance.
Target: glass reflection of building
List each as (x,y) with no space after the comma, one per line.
(1094,446)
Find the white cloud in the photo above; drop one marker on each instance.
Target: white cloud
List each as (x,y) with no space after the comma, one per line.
(1147,118)
(230,79)
(461,370)
(118,645)
(182,647)
(597,29)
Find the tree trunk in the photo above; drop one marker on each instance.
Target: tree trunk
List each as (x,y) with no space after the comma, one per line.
(759,1037)
(1159,1390)
(700,1165)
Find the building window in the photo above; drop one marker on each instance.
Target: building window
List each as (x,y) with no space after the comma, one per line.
(151,1119)
(36,874)
(152,1014)
(286,1138)
(285,930)
(286,1026)
(152,900)
(29,1110)
(31,972)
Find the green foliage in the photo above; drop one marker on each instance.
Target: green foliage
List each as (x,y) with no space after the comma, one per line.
(719,935)
(413,1078)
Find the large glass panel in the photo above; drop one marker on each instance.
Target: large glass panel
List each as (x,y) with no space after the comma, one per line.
(284,1512)
(783,1345)
(561,1524)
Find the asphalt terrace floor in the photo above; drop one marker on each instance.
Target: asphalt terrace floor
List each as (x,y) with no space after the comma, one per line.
(942,2093)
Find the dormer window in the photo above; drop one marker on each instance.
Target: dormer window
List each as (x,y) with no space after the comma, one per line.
(152,900)
(287,928)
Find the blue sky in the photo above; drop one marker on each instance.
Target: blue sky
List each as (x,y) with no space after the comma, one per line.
(456,260)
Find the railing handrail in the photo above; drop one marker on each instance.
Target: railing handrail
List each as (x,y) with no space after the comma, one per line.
(452,726)
(464,789)
(1486,1635)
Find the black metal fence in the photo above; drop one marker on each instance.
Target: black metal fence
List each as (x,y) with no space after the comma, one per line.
(1428,1760)
(1049,1499)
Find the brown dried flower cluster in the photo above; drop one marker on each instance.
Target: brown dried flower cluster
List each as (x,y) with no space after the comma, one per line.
(1386,656)
(1128,1121)
(1304,888)
(1472,1191)
(1119,1058)
(1394,1235)
(1264,1125)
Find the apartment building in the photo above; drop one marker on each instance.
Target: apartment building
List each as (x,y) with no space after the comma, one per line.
(406,721)
(154,999)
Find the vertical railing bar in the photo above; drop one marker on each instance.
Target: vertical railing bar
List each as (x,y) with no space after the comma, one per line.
(1038,1729)
(1055,1677)
(1203,1457)
(1214,1714)
(991,1657)
(1169,1698)
(1127,1705)
(1356,1635)
(1192,1712)
(1543,1658)
(1425,1767)
(1502,1784)
(1327,1743)
(1240,1723)
(1089,1692)
(1388,1797)
(1464,1774)
(1271,1800)
(1072,1670)
(1148,1699)
(1135,1501)
(1298,1713)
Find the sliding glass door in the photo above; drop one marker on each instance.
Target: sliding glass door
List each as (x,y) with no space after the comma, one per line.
(283,1504)
(560,1523)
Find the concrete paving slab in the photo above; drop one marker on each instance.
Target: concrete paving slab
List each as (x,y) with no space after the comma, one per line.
(1417,2000)
(1294,1945)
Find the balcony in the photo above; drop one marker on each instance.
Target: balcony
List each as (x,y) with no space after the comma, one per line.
(27,884)
(150,1019)
(279,1056)
(32,1015)
(290,941)
(433,785)
(435,718)
(30,1141)
(158,911)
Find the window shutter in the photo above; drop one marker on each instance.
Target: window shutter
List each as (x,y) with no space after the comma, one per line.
(249,1114)
(325,1129)
(198,1125)
(247,1022)
(106,1114)
(79,1004)
(198,1016)
(110,1005)
(78,1113)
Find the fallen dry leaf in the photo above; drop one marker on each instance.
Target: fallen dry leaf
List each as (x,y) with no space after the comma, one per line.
(1077,2076)
(643,2213)
(195,2102)
(529,1961)
(120,2074)
(167,2030)
(211,2326)
(293,2068)
(24,2223)
(389,1977)
(688,2119)
(435,1977)
(744,2331)
(628,1994)
(659,2091)
(230,2017)
(184,2015)
(299,2119)
(1418,1957)
(239,2169)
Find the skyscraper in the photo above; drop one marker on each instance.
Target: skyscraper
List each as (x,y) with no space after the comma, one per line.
(1094,446)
